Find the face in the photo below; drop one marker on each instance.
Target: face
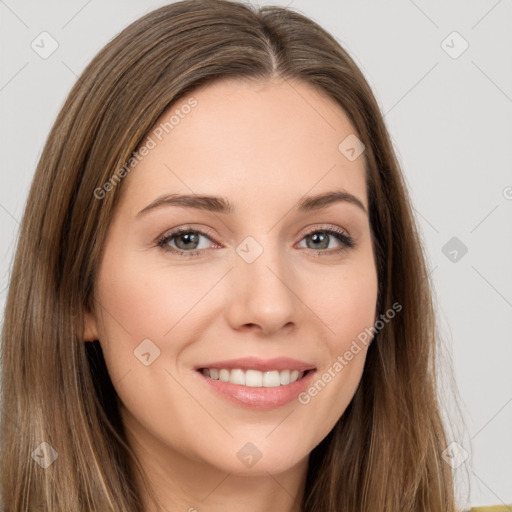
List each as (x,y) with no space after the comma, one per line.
(284,283)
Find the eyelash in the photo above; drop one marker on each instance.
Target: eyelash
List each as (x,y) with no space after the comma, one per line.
(340,235)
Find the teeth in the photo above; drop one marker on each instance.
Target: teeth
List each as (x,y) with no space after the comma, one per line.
(237,377)
(254,378)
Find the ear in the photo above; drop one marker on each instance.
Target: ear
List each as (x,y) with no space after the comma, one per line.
(90,327)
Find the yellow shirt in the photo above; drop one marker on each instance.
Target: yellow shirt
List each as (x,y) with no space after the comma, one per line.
(495,508)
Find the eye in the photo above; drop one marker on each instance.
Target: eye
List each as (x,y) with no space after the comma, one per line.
(185,241)
(320,238)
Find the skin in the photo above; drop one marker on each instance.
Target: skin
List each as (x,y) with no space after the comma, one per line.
(263,146)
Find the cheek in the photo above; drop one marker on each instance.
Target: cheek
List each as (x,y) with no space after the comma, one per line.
(142,300)
(345,301)
(346,305)
(138,303)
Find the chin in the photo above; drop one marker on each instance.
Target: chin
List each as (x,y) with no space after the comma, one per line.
(247,459)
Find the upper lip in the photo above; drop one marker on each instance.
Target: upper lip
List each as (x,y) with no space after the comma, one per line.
(263,365)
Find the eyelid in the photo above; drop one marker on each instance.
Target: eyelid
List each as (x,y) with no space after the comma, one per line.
(312,228)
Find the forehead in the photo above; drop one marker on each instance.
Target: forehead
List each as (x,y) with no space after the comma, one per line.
(273,141)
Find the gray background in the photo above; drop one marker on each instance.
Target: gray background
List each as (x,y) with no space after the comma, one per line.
(450,117)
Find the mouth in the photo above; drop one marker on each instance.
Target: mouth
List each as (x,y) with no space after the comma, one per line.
(254,389)
(255,378)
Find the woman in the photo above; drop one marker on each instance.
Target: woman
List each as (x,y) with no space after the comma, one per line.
(219,296)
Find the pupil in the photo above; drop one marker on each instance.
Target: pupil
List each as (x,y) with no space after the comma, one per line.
(319,238)
(189,237)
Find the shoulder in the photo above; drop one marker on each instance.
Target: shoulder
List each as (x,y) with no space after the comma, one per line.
(495,508)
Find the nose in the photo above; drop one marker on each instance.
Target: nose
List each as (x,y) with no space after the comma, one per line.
(263,293)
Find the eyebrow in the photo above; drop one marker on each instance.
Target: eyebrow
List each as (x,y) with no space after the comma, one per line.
(218,204)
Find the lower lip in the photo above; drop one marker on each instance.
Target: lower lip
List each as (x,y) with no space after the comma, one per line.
(259,397)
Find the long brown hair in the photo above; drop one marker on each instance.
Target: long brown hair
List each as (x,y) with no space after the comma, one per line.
(384,453)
